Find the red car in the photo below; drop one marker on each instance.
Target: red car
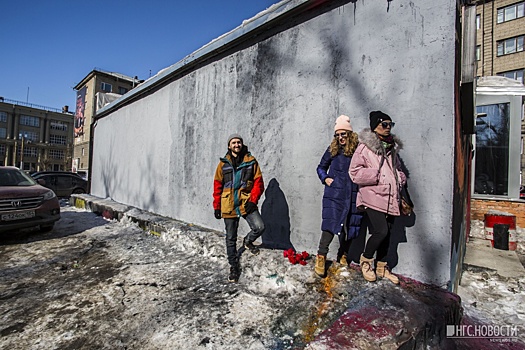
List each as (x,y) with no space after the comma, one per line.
(24,203)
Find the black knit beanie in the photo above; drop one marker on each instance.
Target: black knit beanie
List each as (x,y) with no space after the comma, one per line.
(377,117)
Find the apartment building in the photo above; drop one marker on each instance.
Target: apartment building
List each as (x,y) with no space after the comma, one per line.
(35,138)
(500,35)
(95,90)
(499,158)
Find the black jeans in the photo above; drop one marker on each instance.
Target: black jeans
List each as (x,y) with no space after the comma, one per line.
(326,239)
(256,224)
(379,226)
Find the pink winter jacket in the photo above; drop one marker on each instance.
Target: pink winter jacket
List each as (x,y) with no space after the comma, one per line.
(378,188)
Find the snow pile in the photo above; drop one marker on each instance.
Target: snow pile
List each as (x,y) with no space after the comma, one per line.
(276,304)
(489,297)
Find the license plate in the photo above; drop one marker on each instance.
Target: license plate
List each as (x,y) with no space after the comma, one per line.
(18,216)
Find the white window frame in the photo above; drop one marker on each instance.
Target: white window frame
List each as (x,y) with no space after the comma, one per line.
(104,86)
(505,14)
(29,120)
(514,74)
(510,45)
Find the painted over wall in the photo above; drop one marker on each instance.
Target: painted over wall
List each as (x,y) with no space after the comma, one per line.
(282,91)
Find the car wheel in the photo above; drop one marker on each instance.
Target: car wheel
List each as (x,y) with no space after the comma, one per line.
(78,191)
(46,228)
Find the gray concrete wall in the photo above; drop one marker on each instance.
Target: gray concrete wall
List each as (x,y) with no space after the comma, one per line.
(159,153)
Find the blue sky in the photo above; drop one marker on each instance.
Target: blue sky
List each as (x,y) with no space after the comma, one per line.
(48,46)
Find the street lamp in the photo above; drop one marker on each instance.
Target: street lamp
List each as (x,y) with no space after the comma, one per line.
(24,135)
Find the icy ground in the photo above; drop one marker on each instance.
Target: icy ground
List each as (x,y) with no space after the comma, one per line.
(106,284)
(91,283)
(490,297)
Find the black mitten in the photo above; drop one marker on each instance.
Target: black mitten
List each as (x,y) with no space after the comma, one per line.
(250,207)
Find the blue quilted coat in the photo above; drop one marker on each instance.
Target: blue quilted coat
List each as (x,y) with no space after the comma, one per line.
(339,199)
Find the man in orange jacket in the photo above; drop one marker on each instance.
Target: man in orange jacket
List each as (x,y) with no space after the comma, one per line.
(237,187)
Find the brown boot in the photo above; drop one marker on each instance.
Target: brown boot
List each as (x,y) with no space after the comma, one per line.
(367,268)
(383,271)
(320,265)
(343,261)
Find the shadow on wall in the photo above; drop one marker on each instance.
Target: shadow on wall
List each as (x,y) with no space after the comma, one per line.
(116,179)
(276,217)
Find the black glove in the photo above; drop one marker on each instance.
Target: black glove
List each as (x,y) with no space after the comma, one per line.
(250,207)
(218,214)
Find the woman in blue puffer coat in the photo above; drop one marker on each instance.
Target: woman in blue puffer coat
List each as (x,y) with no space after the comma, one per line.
(340,214)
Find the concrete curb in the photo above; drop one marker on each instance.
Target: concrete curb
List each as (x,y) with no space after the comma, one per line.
(109,209)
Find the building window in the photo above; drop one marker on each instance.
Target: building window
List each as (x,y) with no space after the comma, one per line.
(2,149)
(478,53)
(3,133)
(56,154)
(514,74)
(511,45)
(58,125)
(57,139)
(83,151)
(28,151)
(511,12)
(478,21)
(106,87)
(28,135)
(29,121)
(122,90)
(3,117)
(492,149)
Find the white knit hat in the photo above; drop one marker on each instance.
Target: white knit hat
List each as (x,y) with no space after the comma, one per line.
(343,123)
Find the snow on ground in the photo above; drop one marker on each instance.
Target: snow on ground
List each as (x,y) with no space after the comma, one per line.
(487,296)
(275,304)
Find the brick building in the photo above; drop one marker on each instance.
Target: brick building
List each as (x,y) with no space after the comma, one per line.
(500,51)
(500,33)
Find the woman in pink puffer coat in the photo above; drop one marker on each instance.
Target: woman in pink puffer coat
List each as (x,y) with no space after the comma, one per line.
(375,167)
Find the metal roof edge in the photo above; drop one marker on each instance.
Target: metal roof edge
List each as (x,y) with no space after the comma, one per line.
(94,71)
(246,26)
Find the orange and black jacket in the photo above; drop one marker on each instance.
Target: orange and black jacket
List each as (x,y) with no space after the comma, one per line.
(232,188)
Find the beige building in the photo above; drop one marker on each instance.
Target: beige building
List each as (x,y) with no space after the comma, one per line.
(500,35)
(500,45)
(35,138)
(97,89)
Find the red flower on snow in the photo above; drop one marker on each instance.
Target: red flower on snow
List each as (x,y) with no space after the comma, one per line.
(295,258)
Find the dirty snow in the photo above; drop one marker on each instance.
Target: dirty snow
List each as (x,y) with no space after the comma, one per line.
(145,287)
(492,298)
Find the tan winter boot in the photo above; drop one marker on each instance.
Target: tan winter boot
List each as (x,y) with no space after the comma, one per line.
(383,271)
(367,268)
(343,261)
(320,265)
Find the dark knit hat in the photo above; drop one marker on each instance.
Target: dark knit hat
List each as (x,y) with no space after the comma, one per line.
(234,136)
(377,117)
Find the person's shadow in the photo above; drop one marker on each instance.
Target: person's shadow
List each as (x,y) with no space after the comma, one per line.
(276,216)
(398,232)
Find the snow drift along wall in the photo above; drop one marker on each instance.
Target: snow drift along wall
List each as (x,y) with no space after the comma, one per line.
(280,80)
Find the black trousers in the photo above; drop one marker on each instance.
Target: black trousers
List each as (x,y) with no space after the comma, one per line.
(326,239)
(379,226)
